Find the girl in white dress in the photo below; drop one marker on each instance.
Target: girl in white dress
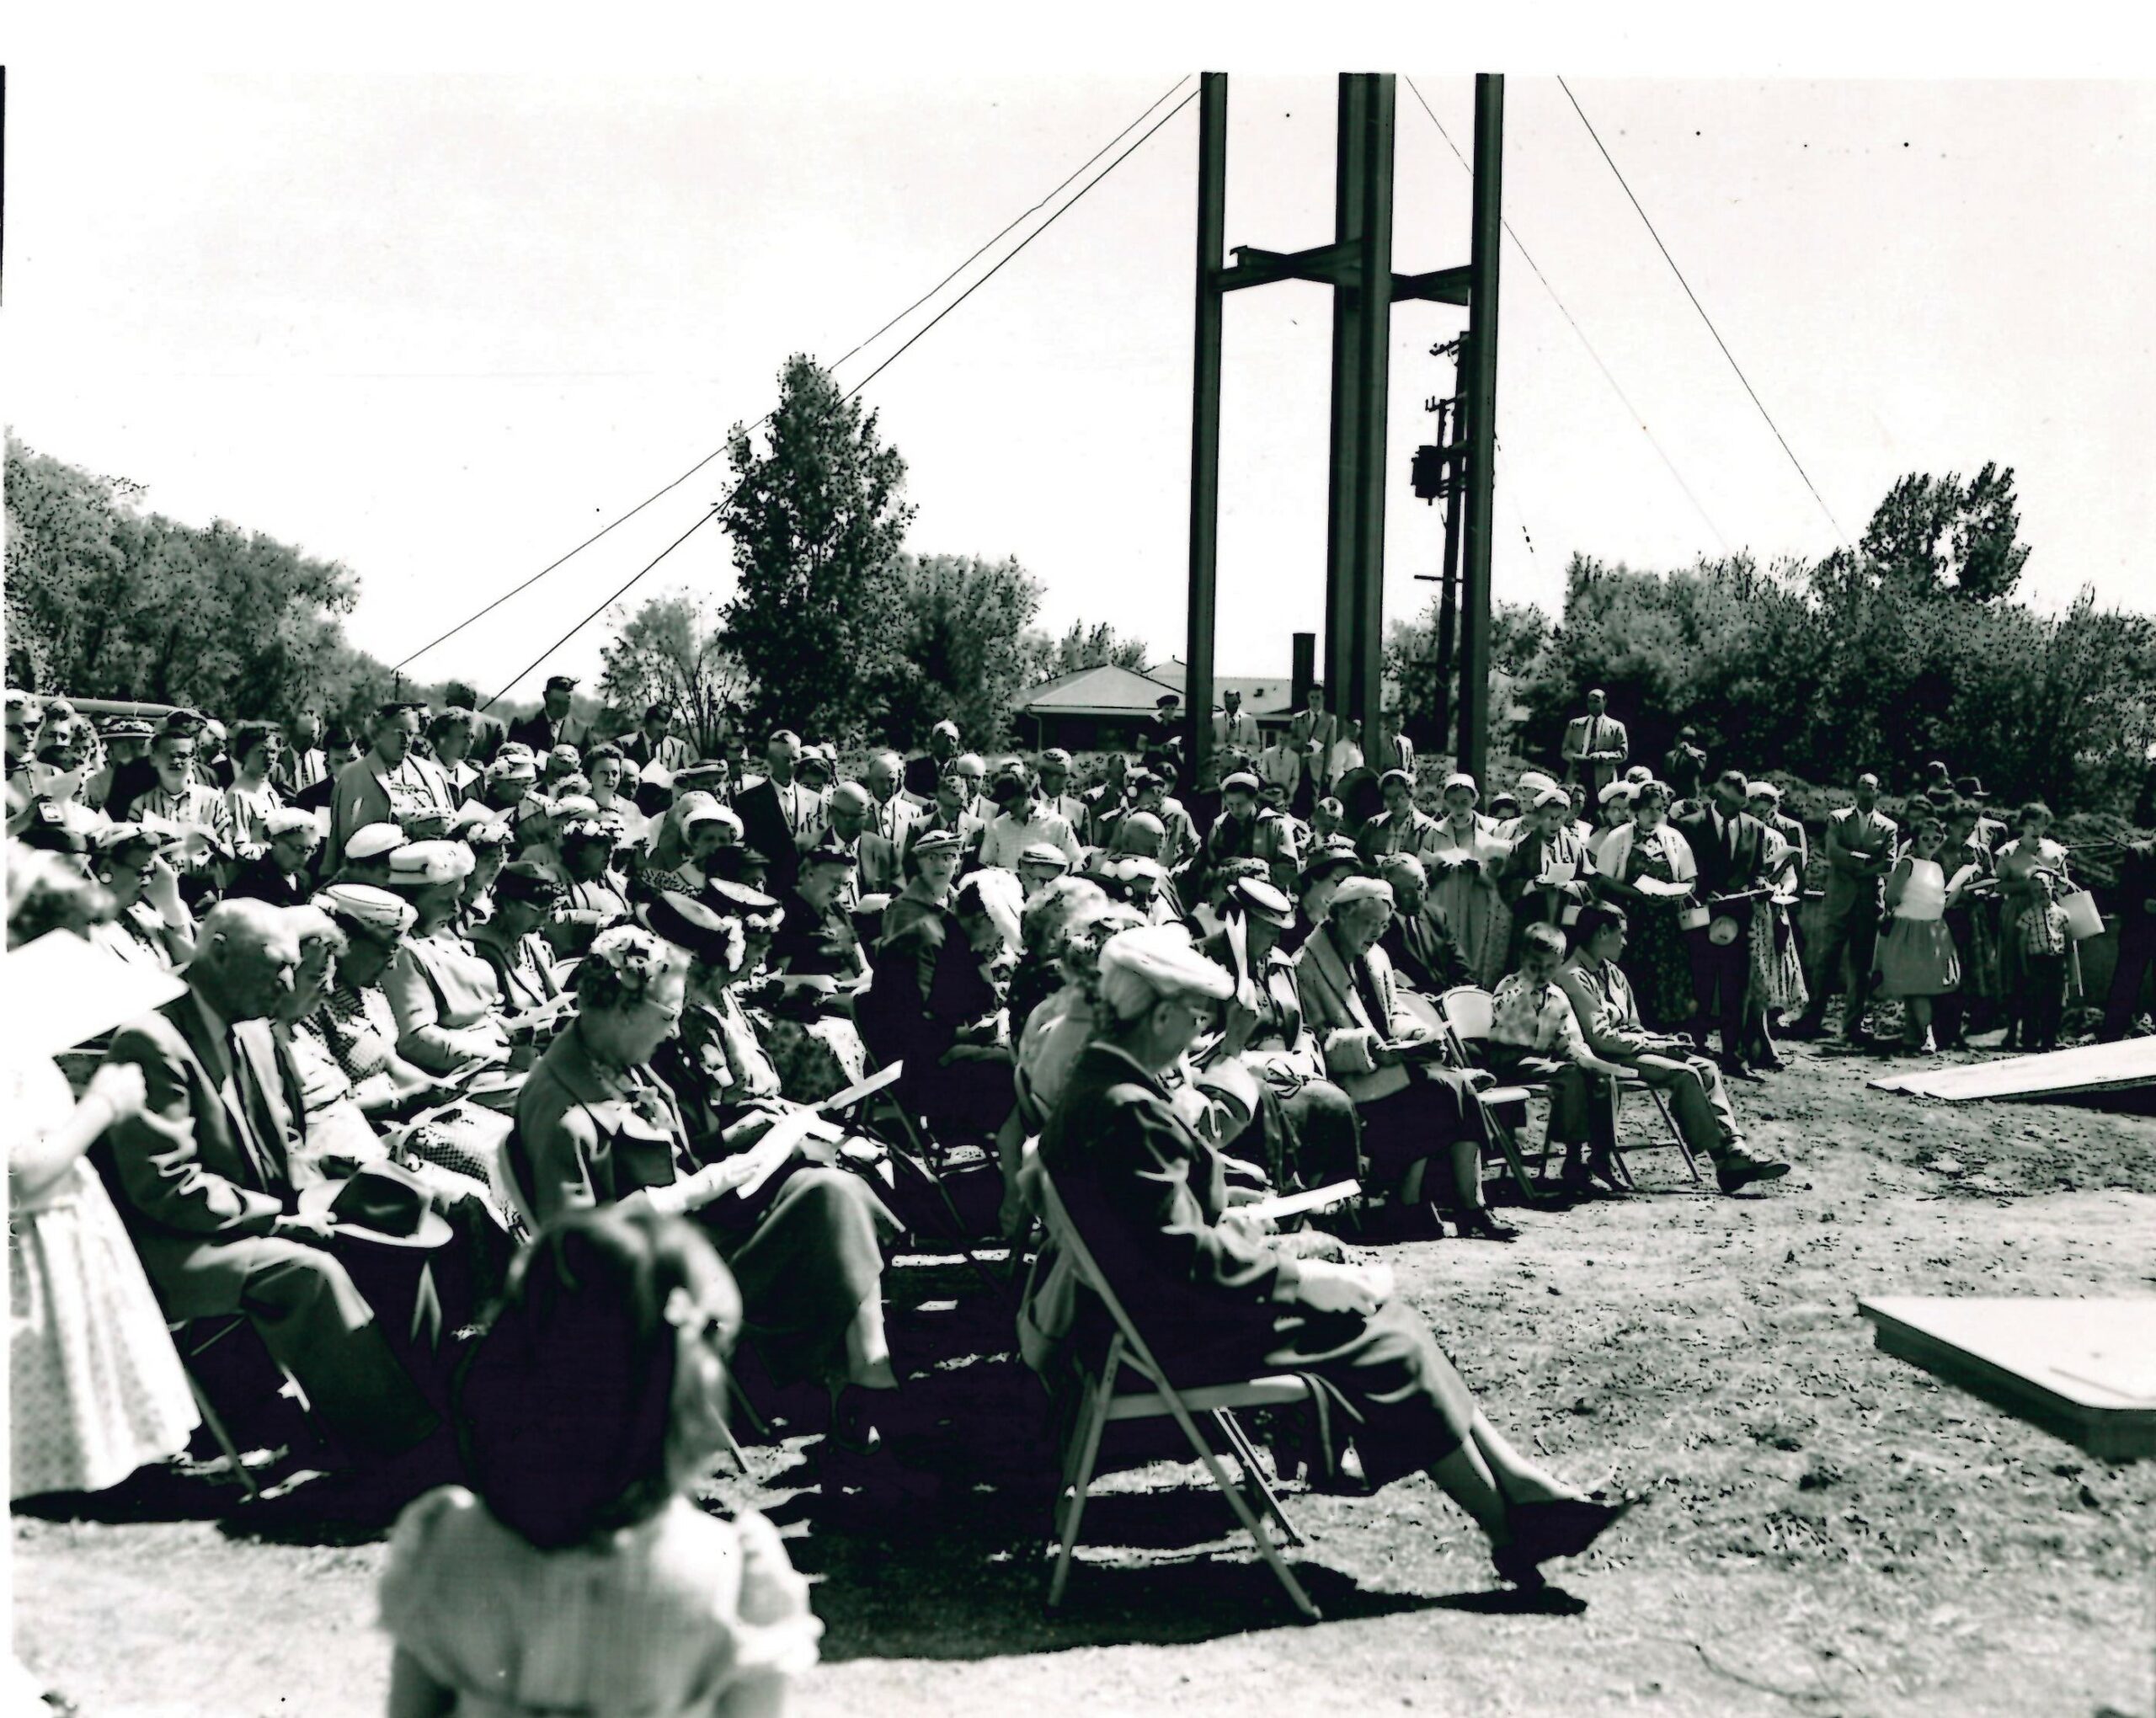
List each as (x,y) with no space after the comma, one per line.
(97,1391)
(578,1574)
(1917,960)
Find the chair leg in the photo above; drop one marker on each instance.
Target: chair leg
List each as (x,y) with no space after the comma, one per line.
(1677,1133)
(211,1419)
(1086,1449)
(1252,1524)
(1508,1143)
(1246,1453)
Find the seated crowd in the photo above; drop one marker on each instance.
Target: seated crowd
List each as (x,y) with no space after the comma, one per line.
(444,994)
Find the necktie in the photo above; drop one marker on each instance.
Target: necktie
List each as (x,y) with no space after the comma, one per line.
(1730,826)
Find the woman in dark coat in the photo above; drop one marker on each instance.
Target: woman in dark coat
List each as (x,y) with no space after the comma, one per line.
(1216,1301)
(596,1125)
(932,1004)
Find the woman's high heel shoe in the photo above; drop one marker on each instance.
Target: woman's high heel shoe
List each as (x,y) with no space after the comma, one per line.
(1541,1533)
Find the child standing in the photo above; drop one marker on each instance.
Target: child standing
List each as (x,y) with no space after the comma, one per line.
(2046,949)
(576,1575)
(1916,959)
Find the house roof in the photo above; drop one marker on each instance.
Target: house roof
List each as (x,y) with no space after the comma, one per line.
(1105,690)
(1264,695)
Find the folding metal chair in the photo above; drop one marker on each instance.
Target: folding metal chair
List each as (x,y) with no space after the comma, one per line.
(1102,1403)
(192,1338)
(1467,1011)
(914,1148)
(1611,1092)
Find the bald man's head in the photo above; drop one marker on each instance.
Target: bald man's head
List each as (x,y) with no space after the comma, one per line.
(244,959)
(851,806)
(1141,833)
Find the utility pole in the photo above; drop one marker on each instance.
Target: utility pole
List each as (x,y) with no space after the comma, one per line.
(1481,401)
(1438,474)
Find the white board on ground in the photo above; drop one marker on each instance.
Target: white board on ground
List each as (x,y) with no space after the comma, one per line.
(2085,1370)
(2056,1074)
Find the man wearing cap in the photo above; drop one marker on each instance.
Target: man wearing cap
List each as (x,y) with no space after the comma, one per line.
(779,813)
(848,824)
(1245,829)
(947,813)
(1105,800)
(922,773)
(1402,827)
(656,742)
(1412,1111)
(202,1175)
(389,780)
(1054,775)
(1546,871)
(1022,822)
(1262,1027)
(1596,746)
(1990,833)
(279,874)
(176,798)
(552,724)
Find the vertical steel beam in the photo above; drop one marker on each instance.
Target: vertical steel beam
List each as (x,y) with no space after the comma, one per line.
(1364,695)
(1481,395)
(1205,420)
(1349,212)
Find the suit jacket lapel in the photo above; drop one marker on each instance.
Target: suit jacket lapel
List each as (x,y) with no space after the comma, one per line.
(1337,975)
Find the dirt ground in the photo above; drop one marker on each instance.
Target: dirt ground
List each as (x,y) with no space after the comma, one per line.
(1828,1531)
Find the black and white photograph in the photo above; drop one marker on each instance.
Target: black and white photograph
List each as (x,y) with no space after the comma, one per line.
(1087,863)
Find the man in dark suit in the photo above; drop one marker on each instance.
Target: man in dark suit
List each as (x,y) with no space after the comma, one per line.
(1729,845)
(921,773)
(656,742)
(1419,940)
(202,1177)
(553,724)
(487,732)
(779,813)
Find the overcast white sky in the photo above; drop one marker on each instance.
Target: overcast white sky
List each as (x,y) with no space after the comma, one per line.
(441,327)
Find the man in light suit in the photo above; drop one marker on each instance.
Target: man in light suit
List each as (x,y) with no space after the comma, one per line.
(202,1177)
(1410,1113)
(1596,747)
(1602,1000)
(1235,729)
(389,781)
(1860,850)
(894,811)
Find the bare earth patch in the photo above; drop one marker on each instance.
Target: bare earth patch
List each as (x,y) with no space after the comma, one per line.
(1829,1531)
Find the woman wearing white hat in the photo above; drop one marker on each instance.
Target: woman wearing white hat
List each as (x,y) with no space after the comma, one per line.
(448,1003)
(1215,1299)
(1462,860)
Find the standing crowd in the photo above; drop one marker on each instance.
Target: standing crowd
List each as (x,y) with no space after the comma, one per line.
(511,1075)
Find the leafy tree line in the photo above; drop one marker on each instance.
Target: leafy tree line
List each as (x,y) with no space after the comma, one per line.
(1906,648)
(104,599)
(833,627)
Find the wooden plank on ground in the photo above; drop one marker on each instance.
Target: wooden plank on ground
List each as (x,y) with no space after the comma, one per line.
(2056,1074)
(2083,1370)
